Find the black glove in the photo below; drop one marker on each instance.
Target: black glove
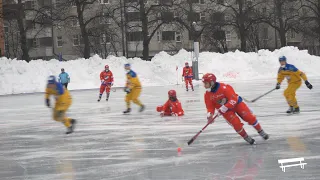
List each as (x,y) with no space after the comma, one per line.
(48,102)
(127,90)
(278,86)
(308,84)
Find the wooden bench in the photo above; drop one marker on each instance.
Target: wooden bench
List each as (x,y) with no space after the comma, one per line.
(283,161)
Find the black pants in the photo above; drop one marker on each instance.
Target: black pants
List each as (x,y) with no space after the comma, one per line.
(65,85)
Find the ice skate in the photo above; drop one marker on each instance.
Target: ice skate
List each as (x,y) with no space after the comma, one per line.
(107,98)
(290,110)
(71,128)
(250,140)
(142,108)
(296,110)
(127,111)
(264,135)
(99,99)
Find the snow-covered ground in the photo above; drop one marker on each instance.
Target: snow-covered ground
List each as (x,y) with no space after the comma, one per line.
(21,77)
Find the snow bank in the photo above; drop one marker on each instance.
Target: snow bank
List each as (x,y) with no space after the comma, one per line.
(21,77)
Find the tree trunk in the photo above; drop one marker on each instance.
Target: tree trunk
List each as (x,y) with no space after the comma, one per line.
(145,33)
(282,28)
(23,34)
(243,39)
(84,33)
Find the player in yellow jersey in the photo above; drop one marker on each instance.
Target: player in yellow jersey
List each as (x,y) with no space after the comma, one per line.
(293,76)
(133,89)
(63,102)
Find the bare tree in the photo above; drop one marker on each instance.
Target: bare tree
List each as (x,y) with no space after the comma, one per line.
(16,12)
(87,14)
(242,15)
(147,17)
(310,18)
(283,16)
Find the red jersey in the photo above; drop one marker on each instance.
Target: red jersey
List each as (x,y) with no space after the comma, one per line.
(187,72)
(106,76)
(174,107)
(222,94)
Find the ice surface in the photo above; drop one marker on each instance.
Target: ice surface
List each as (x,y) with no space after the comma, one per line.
(22,77)
(109,145)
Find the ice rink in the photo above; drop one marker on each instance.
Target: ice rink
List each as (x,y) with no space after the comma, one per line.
(142,146)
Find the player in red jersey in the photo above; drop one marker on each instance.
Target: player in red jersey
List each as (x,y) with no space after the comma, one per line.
(106,78)
(172,107)
(222,97)
(187,75)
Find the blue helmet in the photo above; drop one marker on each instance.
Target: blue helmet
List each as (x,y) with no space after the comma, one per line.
(127,65)
(282,58)
(52,79)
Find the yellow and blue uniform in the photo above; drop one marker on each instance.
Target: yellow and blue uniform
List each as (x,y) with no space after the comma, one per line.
(133,89)
(62,104)
(293,76)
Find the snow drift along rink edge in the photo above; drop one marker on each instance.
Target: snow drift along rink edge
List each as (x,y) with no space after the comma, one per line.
(22,77)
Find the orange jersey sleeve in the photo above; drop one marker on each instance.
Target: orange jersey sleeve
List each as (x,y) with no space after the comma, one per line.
(230,95)
(166,105)
(178,108)
(102,75)
(210,105)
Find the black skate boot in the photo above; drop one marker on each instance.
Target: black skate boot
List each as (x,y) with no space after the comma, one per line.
(264,135)
(99,98)
(250,140)
(290,110)
(187,89)
(296,110)
(108,94)
(71,128)
(127,111)
(142,108)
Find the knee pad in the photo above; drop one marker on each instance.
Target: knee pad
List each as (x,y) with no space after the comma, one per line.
(159,108)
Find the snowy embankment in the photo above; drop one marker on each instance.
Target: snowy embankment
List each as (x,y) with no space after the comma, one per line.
(21,77)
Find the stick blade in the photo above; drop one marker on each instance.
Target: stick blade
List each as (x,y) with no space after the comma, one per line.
(190,141)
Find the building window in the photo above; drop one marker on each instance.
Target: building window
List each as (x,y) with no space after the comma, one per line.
(105,39)
(133,16)
(293,34)
(202,17)
(6,30)
(168,35)
(178,36)
(33,4)
(220,2)
(35,43)
(158,36)
(104,2)
(59,41)
(228,35)
(76,40)
(134,36)
(75,23)
(265,34)
(73,4)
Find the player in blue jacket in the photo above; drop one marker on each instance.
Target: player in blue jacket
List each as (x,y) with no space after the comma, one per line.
(64,78)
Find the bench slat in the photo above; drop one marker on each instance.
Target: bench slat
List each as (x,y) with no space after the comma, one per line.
(290,160)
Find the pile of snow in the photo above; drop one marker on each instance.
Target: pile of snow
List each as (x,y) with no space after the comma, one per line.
(22,77)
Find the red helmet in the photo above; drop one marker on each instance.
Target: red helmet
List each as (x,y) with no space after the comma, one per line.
(187,64)
(172,93)
(106,67)
(209,78)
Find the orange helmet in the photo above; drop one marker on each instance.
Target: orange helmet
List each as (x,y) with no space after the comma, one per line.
(209,78)
(172,93)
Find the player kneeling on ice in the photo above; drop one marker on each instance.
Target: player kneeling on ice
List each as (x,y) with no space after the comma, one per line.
(172,107)
(221,97)
(106,78)
(63,102)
